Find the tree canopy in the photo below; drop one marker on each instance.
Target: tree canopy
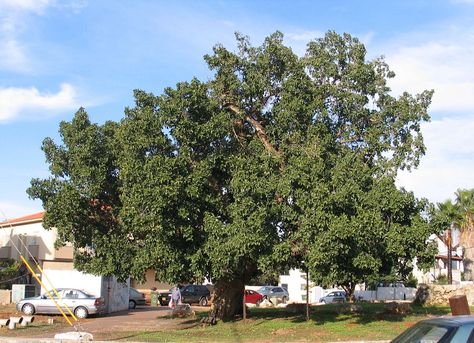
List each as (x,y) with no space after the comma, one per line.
(277,161)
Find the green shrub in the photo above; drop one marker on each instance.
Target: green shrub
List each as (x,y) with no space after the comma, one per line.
(441,280)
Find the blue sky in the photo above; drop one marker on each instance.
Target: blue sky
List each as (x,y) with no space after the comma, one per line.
(56,56)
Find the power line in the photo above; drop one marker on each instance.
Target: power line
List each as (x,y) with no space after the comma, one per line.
(15,278)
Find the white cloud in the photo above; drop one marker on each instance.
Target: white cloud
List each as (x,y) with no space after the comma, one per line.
(441,60)
(36,6)
(13,56)
(16,22)
(304,36)
(15,102)
(299,40)
(448,163)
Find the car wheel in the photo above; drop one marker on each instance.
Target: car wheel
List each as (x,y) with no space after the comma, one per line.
(203,301)
(81,312)
(131,304)
(284,299)
(28,309)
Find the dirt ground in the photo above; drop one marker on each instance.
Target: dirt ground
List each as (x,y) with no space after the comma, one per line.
(143,318)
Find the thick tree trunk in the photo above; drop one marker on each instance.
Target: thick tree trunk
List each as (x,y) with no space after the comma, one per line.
(467,241)
(226,300)
(349,289)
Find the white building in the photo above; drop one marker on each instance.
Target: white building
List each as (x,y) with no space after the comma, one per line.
(440,266)
(27,237)
(295,283)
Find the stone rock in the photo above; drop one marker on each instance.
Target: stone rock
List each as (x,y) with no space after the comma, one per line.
(349,308)
(397,308)
(182,311)
(265,303)
(440,294)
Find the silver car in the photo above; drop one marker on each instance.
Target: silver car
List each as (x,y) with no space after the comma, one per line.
(135,298)
(334,297)
(274,292)
(79,302)
(458,329)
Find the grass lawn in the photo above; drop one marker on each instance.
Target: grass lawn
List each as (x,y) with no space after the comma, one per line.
(326,323)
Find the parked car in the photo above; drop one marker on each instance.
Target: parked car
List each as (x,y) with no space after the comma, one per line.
(458,329)
(334,297)
(195,294)
(191,294)
(252,297)
(391,284)
(79,302)
(164,298)
(135,298)
(274,292)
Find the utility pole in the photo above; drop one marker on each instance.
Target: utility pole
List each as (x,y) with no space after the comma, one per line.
(244,310)
(450,257)
(307,294)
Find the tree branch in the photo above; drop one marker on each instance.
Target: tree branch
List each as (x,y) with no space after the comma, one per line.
(259,129)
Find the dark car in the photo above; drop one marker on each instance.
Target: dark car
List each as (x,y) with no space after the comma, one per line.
(457,329)
(195,294)
(191,294)
(164,297)
(135,298)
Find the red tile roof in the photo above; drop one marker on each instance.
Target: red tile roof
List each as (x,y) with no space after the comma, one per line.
(26,219)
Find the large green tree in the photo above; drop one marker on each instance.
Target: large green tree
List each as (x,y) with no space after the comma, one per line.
(277,161)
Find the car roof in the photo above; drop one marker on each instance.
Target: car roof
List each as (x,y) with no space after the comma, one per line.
(451,320)
(69,289)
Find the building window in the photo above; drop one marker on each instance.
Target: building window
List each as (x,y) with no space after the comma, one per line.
(454,265)
(285,286)
(303,287)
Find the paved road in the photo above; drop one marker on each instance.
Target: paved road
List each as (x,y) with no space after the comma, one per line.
(143,318)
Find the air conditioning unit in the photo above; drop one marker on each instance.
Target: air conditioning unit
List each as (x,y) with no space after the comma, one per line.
(20,292)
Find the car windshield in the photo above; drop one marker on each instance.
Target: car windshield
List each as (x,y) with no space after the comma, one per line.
(264,288)
(424,332)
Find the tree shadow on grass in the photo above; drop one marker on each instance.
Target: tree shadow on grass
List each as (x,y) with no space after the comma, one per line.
(333,313)
(321,315)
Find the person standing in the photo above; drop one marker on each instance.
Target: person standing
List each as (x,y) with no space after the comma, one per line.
(175,297)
